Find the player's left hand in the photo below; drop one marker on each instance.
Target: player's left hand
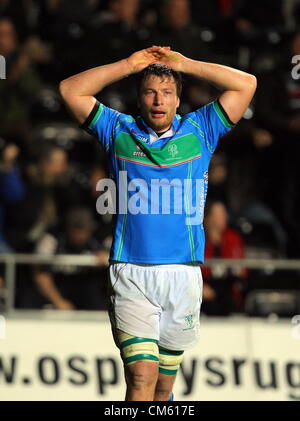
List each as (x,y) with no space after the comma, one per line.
(170,58)
(143,58)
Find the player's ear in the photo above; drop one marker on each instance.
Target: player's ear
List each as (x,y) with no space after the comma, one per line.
(178,102)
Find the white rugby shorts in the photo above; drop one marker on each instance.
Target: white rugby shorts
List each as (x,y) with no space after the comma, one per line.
(159,302)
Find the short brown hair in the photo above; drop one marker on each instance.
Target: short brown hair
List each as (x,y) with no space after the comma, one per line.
(162,71)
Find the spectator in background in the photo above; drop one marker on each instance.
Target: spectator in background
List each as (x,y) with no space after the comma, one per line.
(278,110)
(253,18)
(69,287)
(18,90)
(12,192)
(40,208)
(176,28)
(248,23)
(208,14)
(11,187)
(242,176)
(119,27)
(278,97)
(291,206)
(64,24)
(112,34)
(19,12)
(218,178)
(83,192)
(222,287)
(197,93)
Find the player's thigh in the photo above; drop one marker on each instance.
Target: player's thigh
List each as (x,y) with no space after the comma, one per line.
(180,320)
(131,310)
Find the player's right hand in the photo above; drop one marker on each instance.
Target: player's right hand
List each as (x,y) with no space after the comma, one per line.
(143,58)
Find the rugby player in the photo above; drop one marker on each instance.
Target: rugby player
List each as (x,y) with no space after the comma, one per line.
(155,279)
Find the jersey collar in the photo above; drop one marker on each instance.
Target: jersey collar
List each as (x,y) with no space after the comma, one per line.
(152,136)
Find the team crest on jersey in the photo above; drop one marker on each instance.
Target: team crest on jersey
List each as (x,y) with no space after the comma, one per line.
(173,150)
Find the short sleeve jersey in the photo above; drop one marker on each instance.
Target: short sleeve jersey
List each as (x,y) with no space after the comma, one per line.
(160,187)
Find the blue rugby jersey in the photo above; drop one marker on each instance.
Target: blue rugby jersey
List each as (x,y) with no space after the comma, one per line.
(161,187)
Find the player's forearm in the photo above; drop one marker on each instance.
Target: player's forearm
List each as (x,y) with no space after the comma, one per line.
(223,77)
(92,81)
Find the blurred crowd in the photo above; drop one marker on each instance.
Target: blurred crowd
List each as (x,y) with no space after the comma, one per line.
(49,168)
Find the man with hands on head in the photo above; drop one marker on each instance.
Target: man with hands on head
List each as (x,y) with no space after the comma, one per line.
(156,283)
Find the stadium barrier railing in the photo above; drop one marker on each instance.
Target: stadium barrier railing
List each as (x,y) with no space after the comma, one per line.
(10,261)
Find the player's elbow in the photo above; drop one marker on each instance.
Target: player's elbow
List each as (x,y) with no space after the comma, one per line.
(63,89)
(251,83)
(249,88)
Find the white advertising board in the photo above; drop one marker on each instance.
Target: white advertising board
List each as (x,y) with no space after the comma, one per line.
(236,359)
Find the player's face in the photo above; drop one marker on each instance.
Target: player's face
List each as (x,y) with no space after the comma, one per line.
(158,102)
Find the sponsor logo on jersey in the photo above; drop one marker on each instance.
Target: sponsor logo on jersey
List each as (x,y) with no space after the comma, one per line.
(138,136)
(138,151)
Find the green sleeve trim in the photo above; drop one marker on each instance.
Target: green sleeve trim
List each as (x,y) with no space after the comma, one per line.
(223,115)
(99,112)
(92,118)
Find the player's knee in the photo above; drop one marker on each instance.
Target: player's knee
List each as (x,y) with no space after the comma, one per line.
(141,375)
(169,361)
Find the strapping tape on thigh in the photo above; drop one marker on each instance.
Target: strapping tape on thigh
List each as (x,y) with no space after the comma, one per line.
(137,349)
(169,361)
